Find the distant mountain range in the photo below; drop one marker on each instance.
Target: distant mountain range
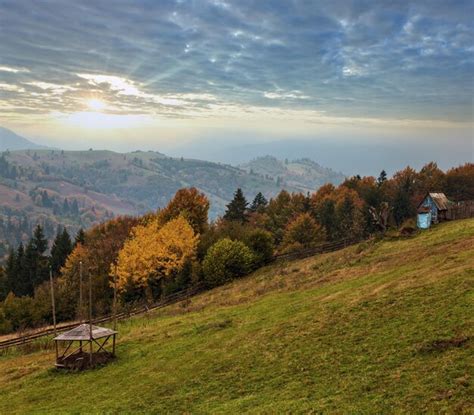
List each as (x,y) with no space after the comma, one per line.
(81,188)
(11,141)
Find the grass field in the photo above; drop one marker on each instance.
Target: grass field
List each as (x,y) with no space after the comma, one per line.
(382,327)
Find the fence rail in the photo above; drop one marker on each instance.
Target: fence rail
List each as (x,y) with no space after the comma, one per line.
(462,210)
(171,299)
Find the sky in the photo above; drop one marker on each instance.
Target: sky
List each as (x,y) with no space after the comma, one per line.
(174,74)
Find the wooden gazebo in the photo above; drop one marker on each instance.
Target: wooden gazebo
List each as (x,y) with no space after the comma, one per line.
(84,347)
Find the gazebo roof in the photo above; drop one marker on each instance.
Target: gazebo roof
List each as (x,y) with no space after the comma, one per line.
(82,332)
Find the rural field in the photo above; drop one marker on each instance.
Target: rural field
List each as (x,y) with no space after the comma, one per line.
(380,327)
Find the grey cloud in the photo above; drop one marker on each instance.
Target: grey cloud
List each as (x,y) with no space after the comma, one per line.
(397,59)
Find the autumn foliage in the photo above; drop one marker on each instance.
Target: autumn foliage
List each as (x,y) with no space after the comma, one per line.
(176,247)
(192,205)
(155,253)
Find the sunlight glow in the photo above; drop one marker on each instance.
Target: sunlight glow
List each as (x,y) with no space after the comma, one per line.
(95,104)
(101,121)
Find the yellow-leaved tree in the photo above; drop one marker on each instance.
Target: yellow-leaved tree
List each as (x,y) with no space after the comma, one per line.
(155,252)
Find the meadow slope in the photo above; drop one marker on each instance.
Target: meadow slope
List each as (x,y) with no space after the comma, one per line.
(382,327)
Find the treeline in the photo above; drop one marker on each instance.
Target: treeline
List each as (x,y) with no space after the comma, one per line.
(176,247)
(23,287)
(17,227)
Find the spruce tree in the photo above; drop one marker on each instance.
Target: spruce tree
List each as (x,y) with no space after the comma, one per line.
(61,249)
(39,241)
(75,207)
(39,270)
(65,207)
(382,177)
(236,210)
(259,203)
(28,271)
(80,237)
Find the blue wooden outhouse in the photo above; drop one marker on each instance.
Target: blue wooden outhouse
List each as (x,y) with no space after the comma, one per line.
(423,218)
(432,209)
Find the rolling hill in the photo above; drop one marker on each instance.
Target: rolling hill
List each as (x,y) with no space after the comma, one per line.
(304,174)
(380,327)
(81,188)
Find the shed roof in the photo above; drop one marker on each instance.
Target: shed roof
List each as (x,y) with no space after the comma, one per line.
(82,332)
(439,199)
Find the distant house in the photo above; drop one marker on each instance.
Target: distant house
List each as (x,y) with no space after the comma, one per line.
(432,209)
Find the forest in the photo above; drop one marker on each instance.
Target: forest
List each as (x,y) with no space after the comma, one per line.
(177,247)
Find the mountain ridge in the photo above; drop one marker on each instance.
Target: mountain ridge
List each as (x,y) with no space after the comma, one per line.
(10,141)
(82,188)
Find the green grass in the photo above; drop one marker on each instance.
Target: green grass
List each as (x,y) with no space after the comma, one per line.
(382,327)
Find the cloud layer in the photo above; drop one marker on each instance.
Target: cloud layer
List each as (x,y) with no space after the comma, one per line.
(206,59)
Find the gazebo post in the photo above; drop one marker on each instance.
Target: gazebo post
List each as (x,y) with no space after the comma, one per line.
(115,298)
(85,332)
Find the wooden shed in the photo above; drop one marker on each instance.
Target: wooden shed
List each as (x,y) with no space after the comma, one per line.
(84,346)
(437,204)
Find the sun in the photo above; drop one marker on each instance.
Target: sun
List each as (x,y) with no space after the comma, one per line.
(95,104)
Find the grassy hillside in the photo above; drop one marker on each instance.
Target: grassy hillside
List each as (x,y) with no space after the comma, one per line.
(381,327)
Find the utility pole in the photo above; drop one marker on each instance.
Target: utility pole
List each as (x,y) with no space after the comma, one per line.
(115,298)
(53,307)
(53,303)
(81,307)
(115,308)
(80,293)
(90,317)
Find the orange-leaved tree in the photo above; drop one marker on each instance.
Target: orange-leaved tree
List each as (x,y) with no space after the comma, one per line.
(190,203)
(97,252)
(302,232)
(155,252)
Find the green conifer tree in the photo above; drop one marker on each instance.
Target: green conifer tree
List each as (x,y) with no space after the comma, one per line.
(39,241)
(259,203)
(237,209)
(28,275)
(61,249)
(80,237)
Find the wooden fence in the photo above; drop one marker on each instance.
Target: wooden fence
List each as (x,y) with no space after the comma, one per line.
(171,299)
(461,210)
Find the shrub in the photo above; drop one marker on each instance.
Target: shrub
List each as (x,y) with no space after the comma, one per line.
(261,244)
(408,227)
(5,325)
(226,260)
(18,311)
(303,232)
